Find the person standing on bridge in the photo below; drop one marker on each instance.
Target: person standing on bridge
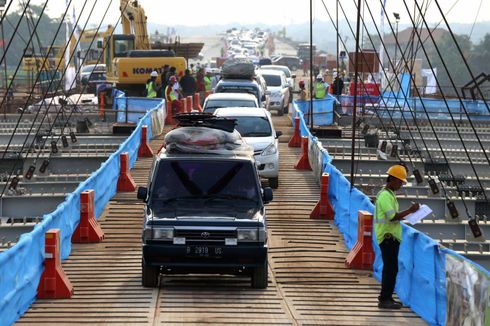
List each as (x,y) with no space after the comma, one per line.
(151,85)
(303,95)
(172,96)
(388,232)
(321,88)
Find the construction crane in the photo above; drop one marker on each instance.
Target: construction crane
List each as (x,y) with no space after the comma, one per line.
(129,58)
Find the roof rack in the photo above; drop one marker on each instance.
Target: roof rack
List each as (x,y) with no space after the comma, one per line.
(198,119)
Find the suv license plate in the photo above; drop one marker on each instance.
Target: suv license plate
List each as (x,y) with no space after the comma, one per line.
(204,251)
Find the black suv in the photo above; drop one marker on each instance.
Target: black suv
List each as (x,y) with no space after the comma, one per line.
(291,62)
(204,214)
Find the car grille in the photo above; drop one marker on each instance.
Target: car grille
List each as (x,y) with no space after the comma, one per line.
(205,235)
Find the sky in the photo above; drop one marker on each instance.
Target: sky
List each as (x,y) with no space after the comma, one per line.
(272,12)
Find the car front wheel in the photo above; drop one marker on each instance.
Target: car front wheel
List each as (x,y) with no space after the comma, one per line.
(274,183)
(149,275)
(260,276)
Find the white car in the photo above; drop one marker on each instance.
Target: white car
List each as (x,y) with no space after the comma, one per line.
(256,128)
(278,87)
(223,100)
(289,77)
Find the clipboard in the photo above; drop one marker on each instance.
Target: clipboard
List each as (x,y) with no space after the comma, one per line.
(419,215)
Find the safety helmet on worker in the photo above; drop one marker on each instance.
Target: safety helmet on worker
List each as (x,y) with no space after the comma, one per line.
(154,74)
(173,79)
(319,77)
(398,171)
(301,83)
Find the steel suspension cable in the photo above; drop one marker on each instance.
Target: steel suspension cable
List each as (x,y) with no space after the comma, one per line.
(28,99)
(13,33)
(447,104)
(365,89)
(15,74)
(426,112)
(461,54)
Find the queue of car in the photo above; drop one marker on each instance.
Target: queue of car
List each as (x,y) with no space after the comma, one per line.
(205,202)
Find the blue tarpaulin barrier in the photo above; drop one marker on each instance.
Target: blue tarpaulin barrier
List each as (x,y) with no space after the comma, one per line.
(322,110)
(22,265)
(421,281)
(131,109)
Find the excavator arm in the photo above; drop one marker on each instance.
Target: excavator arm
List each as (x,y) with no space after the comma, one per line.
(133,21)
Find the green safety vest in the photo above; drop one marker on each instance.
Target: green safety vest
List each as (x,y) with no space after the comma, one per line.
(171,94)
(150,91)
(320,90)
(207,83)
(384,211)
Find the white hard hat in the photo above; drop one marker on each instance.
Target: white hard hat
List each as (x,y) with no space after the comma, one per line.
(319,76)
(154,74)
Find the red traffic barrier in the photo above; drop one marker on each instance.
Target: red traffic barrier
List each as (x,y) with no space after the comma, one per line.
(169,119)
(183,105)
(303,163)
(144,150)
(197,102)
(54,283)
(295,141)
(189,104)
(88,230)
(362,254)
(323,209)
(125,183)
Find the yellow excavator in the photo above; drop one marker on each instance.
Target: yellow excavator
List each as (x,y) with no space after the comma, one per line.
(52,58)
(129,58)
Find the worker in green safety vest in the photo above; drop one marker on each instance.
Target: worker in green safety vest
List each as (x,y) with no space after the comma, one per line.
(321,88)
(388,232)
(208,83)
(151,85)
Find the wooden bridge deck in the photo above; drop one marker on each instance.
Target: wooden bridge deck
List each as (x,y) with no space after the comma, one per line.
(308,281)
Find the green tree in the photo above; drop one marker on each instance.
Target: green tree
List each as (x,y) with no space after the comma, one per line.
(452,58)
(480,56)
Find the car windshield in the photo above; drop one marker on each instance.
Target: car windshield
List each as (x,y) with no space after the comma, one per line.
(238,89)
(212,105)
(272,80)
(195,183)
(253,126)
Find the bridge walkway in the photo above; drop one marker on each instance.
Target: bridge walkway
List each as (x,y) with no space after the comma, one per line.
(308,281)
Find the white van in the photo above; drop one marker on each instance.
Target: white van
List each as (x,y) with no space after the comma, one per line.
(256,127)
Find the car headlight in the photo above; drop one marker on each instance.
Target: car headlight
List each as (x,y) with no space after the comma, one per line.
(247,234)
(270,150)
(163,233)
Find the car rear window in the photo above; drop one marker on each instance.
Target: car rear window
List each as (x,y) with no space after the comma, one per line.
(212,105)
(272,80)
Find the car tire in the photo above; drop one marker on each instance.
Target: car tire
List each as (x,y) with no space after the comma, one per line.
(260,276)
(149,275)
(274,182)
(280,112)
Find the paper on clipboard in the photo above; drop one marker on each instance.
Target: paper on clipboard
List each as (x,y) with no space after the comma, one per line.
(420,214)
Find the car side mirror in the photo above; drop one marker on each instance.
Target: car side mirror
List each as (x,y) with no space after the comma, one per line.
(142,193)
(278,134)
(267,196)
(293,76)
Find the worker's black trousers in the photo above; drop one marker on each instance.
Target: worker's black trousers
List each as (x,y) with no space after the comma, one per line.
(389,251)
